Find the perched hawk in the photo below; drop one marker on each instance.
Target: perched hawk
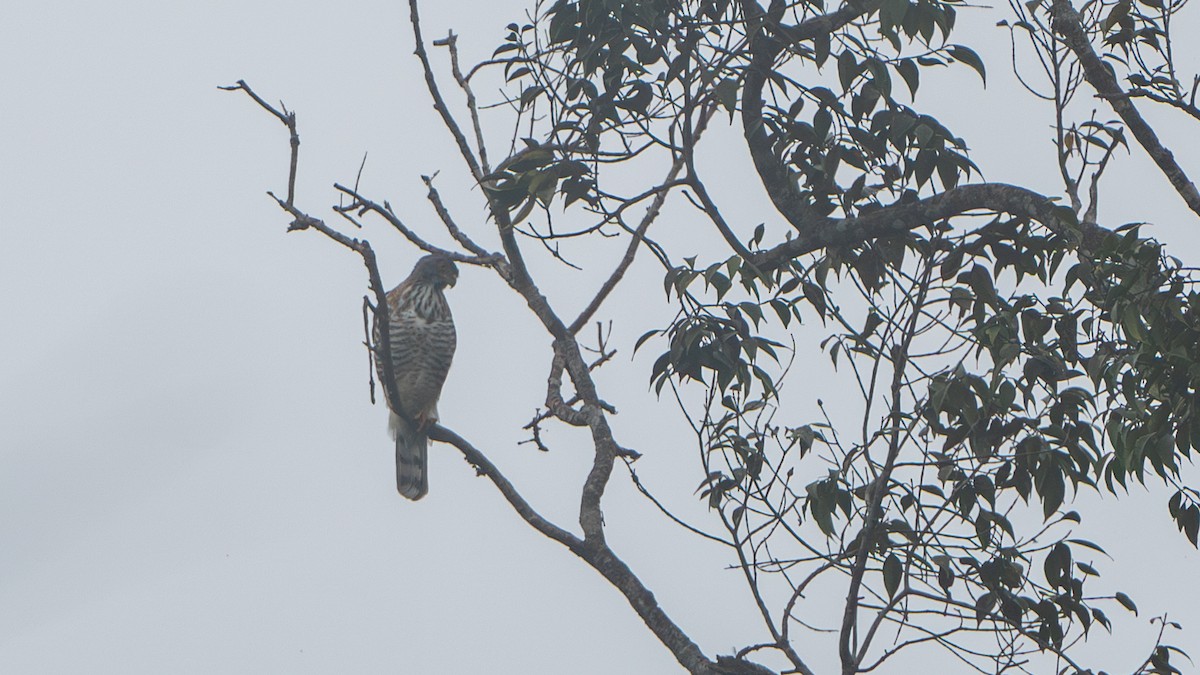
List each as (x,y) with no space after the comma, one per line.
(422,340)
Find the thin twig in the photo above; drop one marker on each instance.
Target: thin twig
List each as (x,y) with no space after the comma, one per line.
(639,234)
(288,119)
(368,311)
(362,203)
(444,214)
(451,42)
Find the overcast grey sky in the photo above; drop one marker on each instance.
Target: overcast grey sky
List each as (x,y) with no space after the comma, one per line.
(192,479)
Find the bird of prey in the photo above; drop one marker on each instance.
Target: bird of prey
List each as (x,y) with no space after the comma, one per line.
(422,340)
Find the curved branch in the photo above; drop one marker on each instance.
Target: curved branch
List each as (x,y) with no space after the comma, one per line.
(516,274)
(451,43)
(595,553)
(484,467)
(765,47)
(902,217)
(288,119)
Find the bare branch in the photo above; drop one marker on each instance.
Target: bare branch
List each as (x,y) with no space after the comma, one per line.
(554,398)
(436,199)
(714,214)
(1187,107)
(593,552)
(637,482)
(362,203)
(303,221)
(451,43)
(439,103)
(288,119)
(566,347)
(368,310)
(486,468)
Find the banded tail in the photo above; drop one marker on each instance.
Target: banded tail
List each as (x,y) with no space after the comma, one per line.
(412,461)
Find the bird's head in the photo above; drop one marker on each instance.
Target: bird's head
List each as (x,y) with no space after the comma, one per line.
(437,270)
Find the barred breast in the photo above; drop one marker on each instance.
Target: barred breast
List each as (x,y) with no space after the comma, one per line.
(422,349)
(422,339)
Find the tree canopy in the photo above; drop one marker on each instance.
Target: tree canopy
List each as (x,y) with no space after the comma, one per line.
(1008,348)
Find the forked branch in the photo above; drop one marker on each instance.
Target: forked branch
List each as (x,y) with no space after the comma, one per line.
(1069,25)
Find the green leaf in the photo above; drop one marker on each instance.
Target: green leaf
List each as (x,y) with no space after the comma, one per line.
(1126,602)
(759,231)
(517,73)
(529,95)
(947,169)
(524,212)
(1118,12)
(893,570)
(968,56)
(726,94)
(952,264)
(821,48)
(983,529)
(911,74)
(822,122)
(642,340)
(816,296)
(945,576)
(847,69)
(1052,490)
(1189,522)
(983,606)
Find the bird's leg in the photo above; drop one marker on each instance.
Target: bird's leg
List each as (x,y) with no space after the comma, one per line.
(424,421)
